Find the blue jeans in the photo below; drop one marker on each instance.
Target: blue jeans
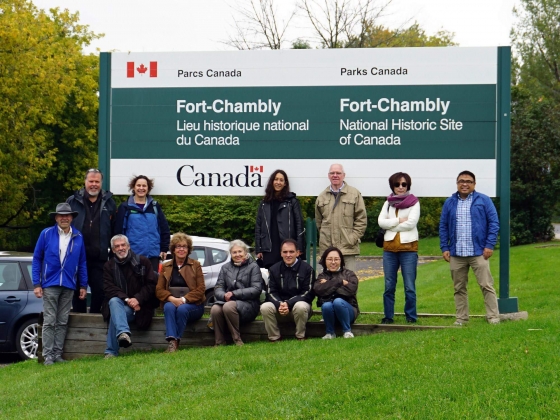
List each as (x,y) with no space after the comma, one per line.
(121,316)
(339,310)
(176,318)
(57,301)
(407,261)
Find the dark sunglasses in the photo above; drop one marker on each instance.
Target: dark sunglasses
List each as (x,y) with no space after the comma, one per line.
(400,184)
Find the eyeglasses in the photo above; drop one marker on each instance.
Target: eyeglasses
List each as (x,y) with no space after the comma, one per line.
(93,170)
(181,247)
(400,184)
(335,173)
(465,181)
(332,260)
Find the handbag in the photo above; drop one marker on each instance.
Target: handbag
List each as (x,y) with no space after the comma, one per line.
(179,292)
(380,238)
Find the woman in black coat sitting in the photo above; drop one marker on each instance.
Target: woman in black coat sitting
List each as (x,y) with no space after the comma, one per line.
(237,293)
(336,288)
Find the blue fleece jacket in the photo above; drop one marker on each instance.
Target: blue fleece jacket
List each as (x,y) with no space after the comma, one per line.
(48,271)
(485,224)
(146,229)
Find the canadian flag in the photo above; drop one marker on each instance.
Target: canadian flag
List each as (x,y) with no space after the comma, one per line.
(130,70)
(256,168)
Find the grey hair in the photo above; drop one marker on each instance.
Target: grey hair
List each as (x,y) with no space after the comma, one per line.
(239,243)
(93,171)
(118,237)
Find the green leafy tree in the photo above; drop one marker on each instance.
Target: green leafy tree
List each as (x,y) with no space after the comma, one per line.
(378,36)
(535,185)
(40,62)
(536,38)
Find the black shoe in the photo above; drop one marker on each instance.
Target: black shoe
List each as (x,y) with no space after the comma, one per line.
(387,321)
(411,320)
(124,340)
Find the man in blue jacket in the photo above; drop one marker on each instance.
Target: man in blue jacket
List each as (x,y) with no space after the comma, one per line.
(59,261)
(468,232)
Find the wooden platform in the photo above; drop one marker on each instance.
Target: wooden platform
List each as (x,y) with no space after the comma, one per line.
(87,334)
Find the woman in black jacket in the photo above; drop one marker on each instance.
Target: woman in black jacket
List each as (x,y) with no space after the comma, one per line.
(278,218)
(336,288)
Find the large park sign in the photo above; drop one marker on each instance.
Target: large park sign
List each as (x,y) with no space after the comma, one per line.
(219,123)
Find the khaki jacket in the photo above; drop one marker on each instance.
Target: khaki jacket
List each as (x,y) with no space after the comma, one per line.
(344,226)
(191,272)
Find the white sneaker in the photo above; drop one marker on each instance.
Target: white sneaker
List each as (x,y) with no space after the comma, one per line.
(329,336)
(348,334)
(457,324)
(494,321)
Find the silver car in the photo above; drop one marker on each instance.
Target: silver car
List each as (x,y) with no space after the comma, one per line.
(212,253)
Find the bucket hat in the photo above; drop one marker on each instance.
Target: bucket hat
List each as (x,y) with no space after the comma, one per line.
(63,208)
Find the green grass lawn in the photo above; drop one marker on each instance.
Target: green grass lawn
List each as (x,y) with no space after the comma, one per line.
(506,371)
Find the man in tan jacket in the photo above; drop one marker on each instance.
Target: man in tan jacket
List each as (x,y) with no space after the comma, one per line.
(340,214)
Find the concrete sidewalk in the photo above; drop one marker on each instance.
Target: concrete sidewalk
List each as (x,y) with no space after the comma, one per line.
(368,267)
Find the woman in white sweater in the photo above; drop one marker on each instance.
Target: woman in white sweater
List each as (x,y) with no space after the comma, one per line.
(399,216)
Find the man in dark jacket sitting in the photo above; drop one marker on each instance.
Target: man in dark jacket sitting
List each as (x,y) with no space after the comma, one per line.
(129,284)
(289,293)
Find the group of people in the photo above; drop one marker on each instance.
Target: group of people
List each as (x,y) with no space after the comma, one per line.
(128,287)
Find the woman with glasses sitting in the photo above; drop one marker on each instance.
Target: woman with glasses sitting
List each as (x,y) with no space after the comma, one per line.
(336,288)
(180,289)
(399,216)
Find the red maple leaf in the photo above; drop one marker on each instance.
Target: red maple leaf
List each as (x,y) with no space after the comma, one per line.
(142,69)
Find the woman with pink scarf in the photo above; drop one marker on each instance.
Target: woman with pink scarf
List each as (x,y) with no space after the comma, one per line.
(399,217)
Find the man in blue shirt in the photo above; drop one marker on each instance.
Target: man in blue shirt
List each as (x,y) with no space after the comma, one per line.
(468,232)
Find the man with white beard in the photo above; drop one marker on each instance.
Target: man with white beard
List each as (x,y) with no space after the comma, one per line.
(96,211)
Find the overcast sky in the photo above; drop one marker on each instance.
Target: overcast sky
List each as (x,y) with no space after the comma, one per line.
(204,25)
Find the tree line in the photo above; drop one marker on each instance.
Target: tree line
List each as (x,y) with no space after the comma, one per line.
(49,112)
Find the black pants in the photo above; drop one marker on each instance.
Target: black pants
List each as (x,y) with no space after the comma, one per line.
(95,282)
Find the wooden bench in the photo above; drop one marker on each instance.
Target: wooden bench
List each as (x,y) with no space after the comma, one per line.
(87,334)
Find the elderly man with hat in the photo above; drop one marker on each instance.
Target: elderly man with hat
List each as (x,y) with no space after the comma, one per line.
(59,261)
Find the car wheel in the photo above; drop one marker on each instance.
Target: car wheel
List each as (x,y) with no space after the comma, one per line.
(210,298)
(27,339)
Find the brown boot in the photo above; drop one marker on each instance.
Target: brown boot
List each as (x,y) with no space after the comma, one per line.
(172,346)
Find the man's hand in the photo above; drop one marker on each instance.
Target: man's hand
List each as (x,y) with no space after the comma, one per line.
(283,309)
(162,256)
(259,256)
(83,294)
(446,256)
(344,282)
(133,303)
(228,296)
(38,291)
(487,253)
(322,281)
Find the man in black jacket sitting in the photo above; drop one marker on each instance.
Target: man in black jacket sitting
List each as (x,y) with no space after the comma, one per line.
(130,286)
(289,293)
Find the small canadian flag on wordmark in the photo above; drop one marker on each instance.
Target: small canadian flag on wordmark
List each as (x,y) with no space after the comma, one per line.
(256,168)
(142,69)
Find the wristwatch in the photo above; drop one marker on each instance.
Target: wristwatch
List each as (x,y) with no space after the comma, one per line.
(126,300)
(184,300)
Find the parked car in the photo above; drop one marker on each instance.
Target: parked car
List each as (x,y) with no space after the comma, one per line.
(212,253)
(19,308)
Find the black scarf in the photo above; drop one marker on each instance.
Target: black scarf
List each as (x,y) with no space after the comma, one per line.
(138,269)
